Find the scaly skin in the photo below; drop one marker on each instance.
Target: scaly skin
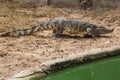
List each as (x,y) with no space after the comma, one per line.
(58,26)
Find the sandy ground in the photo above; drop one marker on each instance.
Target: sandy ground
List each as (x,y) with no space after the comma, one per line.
(17,54)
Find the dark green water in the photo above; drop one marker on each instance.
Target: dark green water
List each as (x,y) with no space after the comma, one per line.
(106,69)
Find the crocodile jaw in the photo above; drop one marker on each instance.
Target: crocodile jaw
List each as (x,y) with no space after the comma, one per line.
(105,30)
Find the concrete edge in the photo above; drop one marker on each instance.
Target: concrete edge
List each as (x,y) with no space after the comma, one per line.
(52,66)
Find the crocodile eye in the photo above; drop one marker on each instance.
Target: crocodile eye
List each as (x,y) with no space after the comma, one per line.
(101,30)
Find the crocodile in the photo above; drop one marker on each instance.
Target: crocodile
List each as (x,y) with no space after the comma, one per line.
(60,26)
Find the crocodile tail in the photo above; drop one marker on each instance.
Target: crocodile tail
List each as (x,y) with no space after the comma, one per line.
(5,34)
(24,32)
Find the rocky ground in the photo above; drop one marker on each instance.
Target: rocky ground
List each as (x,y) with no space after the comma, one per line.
(17,54)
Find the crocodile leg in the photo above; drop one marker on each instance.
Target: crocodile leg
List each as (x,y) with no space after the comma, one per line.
(59,31)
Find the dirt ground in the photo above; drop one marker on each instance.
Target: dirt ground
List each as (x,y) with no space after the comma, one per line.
(17,54)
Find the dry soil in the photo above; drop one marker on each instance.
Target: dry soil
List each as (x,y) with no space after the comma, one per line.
(19,53)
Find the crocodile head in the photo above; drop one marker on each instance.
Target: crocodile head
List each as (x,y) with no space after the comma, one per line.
(98,30)
(104,30)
